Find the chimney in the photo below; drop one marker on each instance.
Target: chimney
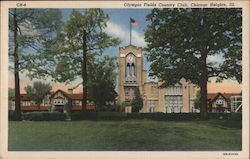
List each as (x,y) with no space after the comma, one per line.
(70,91)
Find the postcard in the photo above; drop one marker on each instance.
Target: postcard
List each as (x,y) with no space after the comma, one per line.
(124,79)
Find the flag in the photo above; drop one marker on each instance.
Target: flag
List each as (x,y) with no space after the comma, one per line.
(133,22)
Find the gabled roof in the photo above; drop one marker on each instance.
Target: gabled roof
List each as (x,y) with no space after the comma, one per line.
(74,96)
(213,96)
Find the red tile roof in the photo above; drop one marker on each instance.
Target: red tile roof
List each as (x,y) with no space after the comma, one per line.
(24,97)
(79,107)
(34,108)
(75,96)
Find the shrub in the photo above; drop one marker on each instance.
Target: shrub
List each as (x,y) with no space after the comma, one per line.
(236,116)
(11,115)
(164,116)
(154,116)
(221,116)
(99,116)
(44,116)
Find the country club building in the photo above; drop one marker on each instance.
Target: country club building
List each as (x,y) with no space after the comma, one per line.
(223,102)
(55,101)
(177,98)
(173,99)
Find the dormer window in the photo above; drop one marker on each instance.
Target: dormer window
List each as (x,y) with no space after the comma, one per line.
(219,101)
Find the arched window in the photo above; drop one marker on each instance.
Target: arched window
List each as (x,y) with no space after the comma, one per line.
(133,69)
(128,70)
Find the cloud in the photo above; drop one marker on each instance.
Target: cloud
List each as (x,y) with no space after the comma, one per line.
(117,30)
(215,58)
(28,29)
(138,39)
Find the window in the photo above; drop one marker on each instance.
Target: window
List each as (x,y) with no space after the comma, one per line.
(219,101)
(151,105)
(173,103)
(152,109)
(126,92)
(133,92)
(128,70)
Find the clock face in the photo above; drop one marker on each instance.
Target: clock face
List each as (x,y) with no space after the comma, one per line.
(130,58)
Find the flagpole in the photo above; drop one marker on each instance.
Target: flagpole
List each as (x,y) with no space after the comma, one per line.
(130,30)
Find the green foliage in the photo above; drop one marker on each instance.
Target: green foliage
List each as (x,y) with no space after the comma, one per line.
(67,107)
(36,29)
(131,135)
(179,42)
(117,116)
(197,101)
(66,53)
(154,116)
(44,116)
(102,81)
(177,37)
(137,102)
(11,116)
(11,93)
(38,91)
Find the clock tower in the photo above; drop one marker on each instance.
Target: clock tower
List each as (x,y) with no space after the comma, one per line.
(130,72)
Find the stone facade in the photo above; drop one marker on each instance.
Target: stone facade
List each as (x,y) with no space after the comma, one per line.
(177,98)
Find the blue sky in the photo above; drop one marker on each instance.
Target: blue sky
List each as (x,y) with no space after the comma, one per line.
(119,26)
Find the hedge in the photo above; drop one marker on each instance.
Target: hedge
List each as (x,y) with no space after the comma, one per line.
(44,116)
(99,116)
(11,115)
(117,116)
(153,116)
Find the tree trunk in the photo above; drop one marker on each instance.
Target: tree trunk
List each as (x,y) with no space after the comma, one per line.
(84,76)
(203,86)
(17,113)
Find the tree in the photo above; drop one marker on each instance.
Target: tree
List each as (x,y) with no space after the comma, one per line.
(137,101)
(82,39)
(29,29)
(181,40)
(38,92)
(11,94)
(102,81)
(197,101)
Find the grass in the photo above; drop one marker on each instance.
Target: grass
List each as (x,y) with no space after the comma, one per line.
(129,135)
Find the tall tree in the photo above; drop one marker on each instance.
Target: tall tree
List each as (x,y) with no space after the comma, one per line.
(137,101)
(29,29)
(181,40)
(82,39)
(197,101)
(102,81)
(38,92)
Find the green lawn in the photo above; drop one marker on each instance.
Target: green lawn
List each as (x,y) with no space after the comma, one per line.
(131,135)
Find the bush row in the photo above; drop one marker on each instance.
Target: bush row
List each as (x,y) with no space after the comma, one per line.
(44,116)
(154,116)
(100,116)
(57,116)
